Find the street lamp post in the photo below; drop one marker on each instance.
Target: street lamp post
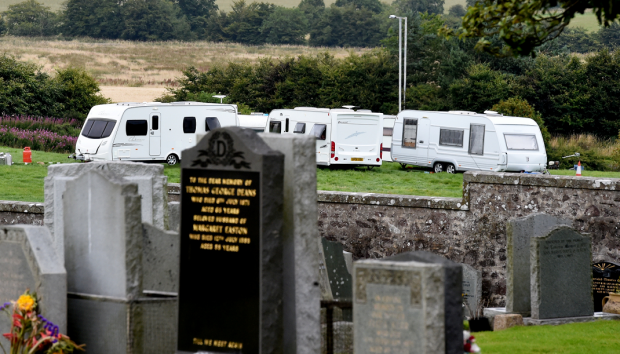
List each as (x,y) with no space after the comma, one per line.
(402,79)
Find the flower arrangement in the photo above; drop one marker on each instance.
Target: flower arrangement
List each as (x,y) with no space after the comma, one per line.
(469,343)
(31,333)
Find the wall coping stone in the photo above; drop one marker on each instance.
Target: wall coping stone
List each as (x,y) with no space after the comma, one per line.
(410,201)
(541,180)
(21,207)
(174,188)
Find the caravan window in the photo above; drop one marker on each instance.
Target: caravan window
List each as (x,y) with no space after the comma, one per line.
(155,122)
(136,127)
(521,142)
(300,128)
(410,132)
(98,128)
(189,125)
(275,126)
(388,131)
(319,131)
(451,137)
(211,123)
(476,139)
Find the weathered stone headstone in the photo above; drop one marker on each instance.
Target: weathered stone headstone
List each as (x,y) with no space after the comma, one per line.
(561,274)
(472,289)
(230,292)
(606,279)
(28,261)
(104,246)
(409,303)
(518,235)
(302,297)
(149,178)
(160,261)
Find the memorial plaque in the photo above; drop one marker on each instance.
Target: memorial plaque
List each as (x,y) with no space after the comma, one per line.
(231,261)
(561,274)
(605,280)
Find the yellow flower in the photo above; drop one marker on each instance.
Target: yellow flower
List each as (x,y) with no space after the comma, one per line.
(25,302)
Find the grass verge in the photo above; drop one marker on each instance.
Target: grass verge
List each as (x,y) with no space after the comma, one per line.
(600,337)
(25,182)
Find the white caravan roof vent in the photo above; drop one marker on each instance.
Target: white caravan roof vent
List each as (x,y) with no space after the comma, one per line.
(351,107)
(186,102)
(129,104)
(493,113)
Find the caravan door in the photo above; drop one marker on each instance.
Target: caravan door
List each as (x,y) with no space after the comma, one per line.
(319,131)
(155,135)
(423,149)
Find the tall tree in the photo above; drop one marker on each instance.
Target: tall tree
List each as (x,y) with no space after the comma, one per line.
(148,20)
(373,5)
(285,26)
(525,24)
(413,6)
(96,19)
(31,18)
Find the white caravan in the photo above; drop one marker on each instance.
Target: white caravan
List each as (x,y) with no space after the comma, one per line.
(149,131)
(388,130)
(343,136)
(253,121)
(462,141)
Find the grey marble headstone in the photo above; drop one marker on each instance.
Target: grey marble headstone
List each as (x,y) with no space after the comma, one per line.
(231,227)
(28,261)
(104,248)
(518,235)
(160,261)
(472,289)
(561,274)
(151,182)
(409,303)
(302,297)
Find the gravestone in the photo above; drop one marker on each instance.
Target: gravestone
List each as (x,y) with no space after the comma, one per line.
(561,274)
(28,261)
(340,283)
(606,279)
(472,289)
(160,261)
(518,235)
(104,247)
(149,178)
(408,303)
(230,291)
(302,296)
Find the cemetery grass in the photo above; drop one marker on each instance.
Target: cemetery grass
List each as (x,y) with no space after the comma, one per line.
(598,337)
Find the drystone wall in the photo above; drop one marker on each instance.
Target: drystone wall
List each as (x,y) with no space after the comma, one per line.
(470,230)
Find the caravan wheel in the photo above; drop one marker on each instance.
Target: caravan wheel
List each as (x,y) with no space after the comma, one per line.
(450,168)
(438,167)
(403,165)
(172,159)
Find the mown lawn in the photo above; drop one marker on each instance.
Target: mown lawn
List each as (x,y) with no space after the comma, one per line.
(25,182)
(600,337)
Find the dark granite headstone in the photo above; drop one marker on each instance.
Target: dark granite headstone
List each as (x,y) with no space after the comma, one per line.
(606,278)
(230,292)
(561,274)
(518,234)
(409,303)
(340,281)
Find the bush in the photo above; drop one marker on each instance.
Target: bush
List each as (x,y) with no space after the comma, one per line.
(39,139)
(79,92)
(69,127)
(596,153)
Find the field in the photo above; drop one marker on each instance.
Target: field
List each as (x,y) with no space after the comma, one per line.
(599,337)
(145,64)
(25,182)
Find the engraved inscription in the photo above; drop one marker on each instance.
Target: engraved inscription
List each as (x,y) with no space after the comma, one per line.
(412,279)
(564,248)
(388,326)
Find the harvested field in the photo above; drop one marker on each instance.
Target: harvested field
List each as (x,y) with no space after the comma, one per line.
(152,64)
(131,94)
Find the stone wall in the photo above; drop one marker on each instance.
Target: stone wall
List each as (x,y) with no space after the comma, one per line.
(471,229)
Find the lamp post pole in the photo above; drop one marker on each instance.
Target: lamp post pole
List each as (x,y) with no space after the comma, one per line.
(402,79)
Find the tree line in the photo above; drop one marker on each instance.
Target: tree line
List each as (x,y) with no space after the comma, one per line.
(569,93)
(346,23)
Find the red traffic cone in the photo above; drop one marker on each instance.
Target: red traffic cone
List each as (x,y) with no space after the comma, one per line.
(578,169)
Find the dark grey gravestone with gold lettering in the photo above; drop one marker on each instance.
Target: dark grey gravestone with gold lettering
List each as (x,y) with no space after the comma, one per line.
(606,279)
(230,290)
(561,274)
(409,303)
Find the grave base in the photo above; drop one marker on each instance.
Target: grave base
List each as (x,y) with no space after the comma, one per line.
(112,325)
(491,312)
